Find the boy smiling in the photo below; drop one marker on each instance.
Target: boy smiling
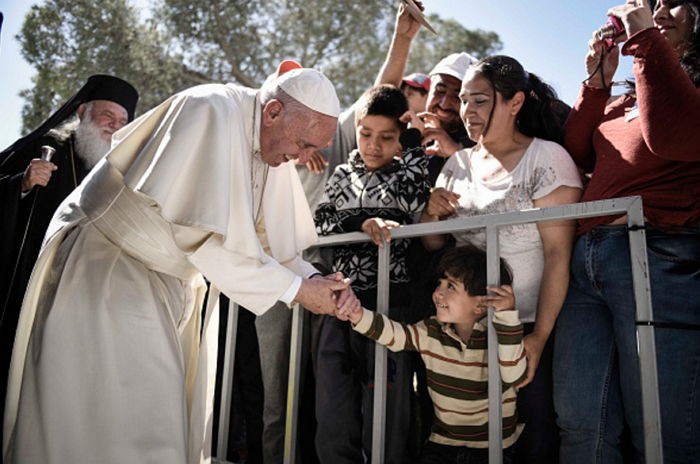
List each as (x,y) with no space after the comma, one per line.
(453,346)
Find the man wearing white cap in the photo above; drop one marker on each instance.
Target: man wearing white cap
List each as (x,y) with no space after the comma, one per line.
(444,132)
(112,362)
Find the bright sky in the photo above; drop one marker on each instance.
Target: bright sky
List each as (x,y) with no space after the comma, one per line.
(547,36)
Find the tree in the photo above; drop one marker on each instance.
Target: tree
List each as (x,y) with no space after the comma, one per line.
(195,42)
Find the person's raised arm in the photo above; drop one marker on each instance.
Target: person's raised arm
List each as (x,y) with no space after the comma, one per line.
(405,31)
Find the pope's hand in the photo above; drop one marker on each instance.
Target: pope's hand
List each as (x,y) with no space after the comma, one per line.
(320,294)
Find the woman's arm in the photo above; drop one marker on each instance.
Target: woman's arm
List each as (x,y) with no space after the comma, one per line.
(557,242)
(669,103)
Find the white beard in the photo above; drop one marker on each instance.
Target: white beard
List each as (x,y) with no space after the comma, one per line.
(89,144)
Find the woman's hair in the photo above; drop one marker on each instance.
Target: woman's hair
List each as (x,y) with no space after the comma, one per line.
(537,117)
(690,61)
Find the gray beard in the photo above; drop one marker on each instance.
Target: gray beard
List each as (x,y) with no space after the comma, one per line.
(89,144)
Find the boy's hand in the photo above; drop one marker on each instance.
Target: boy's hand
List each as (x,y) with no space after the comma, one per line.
(502,300)
(350,309)
(378,230)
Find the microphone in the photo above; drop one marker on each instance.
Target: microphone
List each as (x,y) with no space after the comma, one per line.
(47,152)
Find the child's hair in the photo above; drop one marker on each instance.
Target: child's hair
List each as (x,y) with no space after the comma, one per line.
(382,100)
(468,264)
(507,76)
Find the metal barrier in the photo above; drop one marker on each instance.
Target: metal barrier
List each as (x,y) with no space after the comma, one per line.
(631,206)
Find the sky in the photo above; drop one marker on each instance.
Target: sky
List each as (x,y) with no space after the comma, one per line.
(548,37)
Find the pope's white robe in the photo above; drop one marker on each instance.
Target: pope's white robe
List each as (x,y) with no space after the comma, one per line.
(108,365)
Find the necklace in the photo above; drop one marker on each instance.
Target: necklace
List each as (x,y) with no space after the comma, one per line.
(257,164)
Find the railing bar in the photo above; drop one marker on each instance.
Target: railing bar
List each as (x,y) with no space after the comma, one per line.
(380,359)
(293,385)
(495,411)
(646,347)
(227,380)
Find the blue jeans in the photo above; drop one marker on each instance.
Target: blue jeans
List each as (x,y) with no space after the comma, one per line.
(596,366)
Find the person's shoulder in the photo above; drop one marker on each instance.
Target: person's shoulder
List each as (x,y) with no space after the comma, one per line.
(216,92)
(547,150)
(224,98)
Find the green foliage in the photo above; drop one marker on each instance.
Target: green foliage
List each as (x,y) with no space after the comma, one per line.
(194,42)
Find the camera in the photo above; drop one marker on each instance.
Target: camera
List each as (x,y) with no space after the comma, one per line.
(610,30)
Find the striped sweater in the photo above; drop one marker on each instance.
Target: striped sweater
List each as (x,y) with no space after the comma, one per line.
(458,372)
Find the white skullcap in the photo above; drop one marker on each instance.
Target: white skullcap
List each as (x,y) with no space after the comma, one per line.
(312,89)
(454,65)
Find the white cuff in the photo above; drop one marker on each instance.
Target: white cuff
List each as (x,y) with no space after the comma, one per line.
(291,292)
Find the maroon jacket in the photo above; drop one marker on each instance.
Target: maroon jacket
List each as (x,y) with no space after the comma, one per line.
(656,154)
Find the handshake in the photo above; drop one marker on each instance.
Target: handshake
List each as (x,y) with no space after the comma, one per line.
(330,294)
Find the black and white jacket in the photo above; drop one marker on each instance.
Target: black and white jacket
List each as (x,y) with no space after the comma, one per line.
(353,194)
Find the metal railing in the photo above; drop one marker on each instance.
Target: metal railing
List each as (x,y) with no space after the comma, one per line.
(631,206)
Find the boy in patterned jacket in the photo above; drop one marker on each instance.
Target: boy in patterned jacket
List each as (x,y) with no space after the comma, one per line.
(454,347)
(383,185)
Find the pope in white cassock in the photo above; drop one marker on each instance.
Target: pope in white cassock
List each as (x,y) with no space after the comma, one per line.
(108,364)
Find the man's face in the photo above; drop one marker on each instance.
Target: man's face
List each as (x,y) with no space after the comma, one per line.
(443,100)
(287,136)
(108,116)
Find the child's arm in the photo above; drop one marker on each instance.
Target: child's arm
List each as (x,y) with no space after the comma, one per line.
(395,336)
(509,331)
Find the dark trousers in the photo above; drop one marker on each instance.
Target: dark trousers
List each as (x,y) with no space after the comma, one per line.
(344,397)
(434,453)
(539,442)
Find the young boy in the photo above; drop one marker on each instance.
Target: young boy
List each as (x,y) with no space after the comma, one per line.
(453,346)
(383,185)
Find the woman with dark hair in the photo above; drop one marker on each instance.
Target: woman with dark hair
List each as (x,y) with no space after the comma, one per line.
(645,143)
(515,120)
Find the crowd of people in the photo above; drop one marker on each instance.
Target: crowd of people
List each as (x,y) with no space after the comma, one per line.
(117,248)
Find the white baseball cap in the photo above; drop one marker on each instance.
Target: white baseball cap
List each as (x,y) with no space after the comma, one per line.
(454,65)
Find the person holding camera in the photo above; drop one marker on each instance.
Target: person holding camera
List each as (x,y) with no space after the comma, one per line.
(643,143)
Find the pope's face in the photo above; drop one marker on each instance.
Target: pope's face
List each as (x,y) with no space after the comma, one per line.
(287,136)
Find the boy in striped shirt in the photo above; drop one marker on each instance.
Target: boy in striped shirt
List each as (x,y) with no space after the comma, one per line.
(454,348)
